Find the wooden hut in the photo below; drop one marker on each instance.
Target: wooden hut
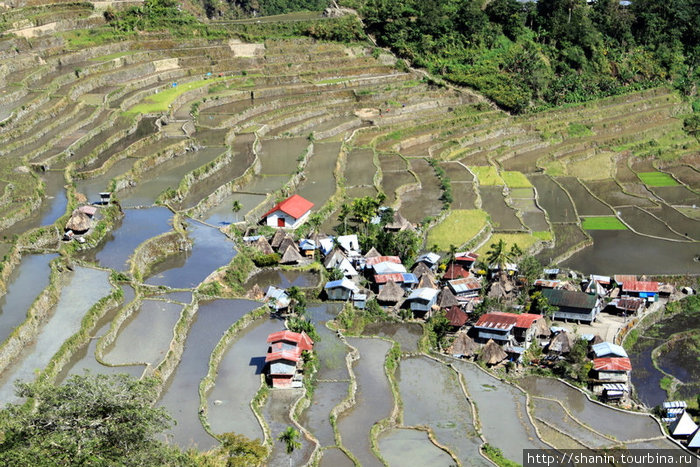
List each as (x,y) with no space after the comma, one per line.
(447,299)
(255,293)
(391,293)
(263,246)
(79,222)
(561,343)
(287,242)
(426,281)
(463,346)
(291,256)
(372,253)
(492,353)
(457,317)
(277,238)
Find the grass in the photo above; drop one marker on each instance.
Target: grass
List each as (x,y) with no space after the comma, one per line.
(657,179)
(460,226)
(596,167)
(108,57)
(524,241)
(515,179)
(602,223)
(496,455)
(161,101)
(487,175)
(577,130)
(544,235)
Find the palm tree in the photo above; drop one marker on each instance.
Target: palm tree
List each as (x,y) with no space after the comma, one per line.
(235,207)
(498,255)
(290,436)
(345,211)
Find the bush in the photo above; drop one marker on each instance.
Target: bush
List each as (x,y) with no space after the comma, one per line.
(262,260)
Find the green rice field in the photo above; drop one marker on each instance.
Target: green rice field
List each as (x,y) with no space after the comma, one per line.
(602,223)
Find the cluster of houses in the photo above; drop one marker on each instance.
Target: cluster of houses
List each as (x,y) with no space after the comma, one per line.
(455,287)
(680,424)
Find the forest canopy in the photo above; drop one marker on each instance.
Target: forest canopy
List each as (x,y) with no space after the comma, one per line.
(552,52)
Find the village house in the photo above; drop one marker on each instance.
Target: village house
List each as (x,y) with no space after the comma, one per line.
(277,299)
(612,369)
(342,289)
(626,306)
(289,214)
(284,362)
(429,259)
(465,288)
(466,259)
(406,280)
(457,317)
(508,328)
(455,271)
(642,289)
(421,302)
(683,427)
(391,294)
(576,306)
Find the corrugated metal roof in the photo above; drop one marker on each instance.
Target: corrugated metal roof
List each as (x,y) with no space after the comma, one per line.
(612,364)
(497,320)
(547,283)
(525,320)
(465,284)
(675,405)
(466,256)
(302,339)
(382,259)
(406,278)
(600,279)
(388,268)
(291,355)
(608,348)
(423,294)
(344,283)
(640,286)
(455,271)
(568,298)
(431,258)
(620,278)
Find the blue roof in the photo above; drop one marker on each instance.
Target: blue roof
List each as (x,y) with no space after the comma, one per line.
(607,348)
(409,278)
(345,283)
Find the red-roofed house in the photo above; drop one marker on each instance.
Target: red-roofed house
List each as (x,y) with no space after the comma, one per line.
(290,213)
(382,259)
(642,289)
(455,271)
(613,369)
(465,258)
(507,328)
(456,316)
(283,361)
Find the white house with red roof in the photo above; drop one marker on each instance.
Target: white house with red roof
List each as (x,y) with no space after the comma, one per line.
(288,214)
(284,362)
(507,328)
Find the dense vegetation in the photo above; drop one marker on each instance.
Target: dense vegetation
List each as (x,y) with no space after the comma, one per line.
(547,53)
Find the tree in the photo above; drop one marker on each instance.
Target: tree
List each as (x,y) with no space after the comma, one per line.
(531,269)
(242,451)
(290,436)
(88,420)
(297,304)
(335,274)
(235,207)
(498,256)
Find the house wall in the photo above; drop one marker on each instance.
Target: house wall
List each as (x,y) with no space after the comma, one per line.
(613,376)
(499,336)
(575,314)
(289,221)
(338,293)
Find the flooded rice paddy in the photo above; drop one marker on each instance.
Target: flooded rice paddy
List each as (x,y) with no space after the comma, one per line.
(211,249)
(85,287)
(403,447)
(26,282)
(374,400)
(181,396)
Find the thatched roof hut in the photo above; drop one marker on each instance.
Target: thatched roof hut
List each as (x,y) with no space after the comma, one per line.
(492,353)
(79,222)
(501,290)
(255,293)
(447,299)
(286,242)
(291,256)
(372,253)
(542,328)
(263,246)
(456,316)
(390,293)
(399,223)
(561,343)
(422,268)
(426,281)
(277,238)
(463,345)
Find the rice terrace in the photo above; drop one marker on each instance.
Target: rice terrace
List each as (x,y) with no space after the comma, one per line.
(345,233)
